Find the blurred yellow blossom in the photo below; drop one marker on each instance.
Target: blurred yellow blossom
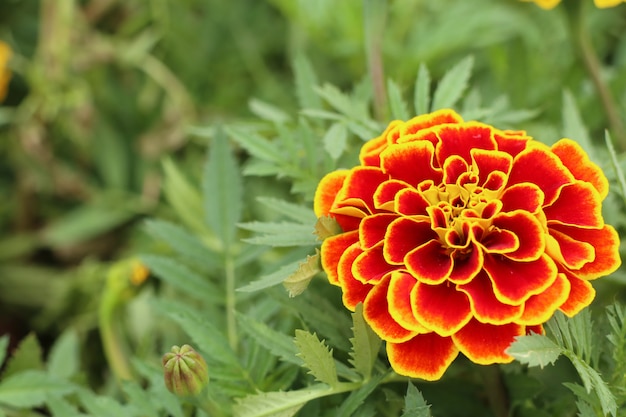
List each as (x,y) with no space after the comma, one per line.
(550,4)
(5,74)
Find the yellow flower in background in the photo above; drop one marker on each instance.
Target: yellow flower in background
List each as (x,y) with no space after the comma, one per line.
(5,74)
(551,4)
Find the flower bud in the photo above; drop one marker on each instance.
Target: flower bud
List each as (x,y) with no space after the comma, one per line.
(185,371)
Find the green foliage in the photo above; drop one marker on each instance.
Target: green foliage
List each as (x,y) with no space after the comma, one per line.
(316,357)
(414,403)
(365,344)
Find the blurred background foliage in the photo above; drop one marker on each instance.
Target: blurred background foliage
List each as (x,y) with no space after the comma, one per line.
(95,128)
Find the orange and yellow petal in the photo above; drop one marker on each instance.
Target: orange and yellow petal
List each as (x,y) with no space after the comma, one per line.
(581,294)
(400,306)
(578,204)
(440,308)
(333,249)
(425,356)
(485,306)
(579,164)
(376,313)
(326,192)
(539,308)
(486,343)
(5,74)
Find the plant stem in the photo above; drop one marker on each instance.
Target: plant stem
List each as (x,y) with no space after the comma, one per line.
(112,343)
(374,16)
(495,390)
(594,68)
(231,303)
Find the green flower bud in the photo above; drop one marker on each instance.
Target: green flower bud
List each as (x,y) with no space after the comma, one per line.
(185,371)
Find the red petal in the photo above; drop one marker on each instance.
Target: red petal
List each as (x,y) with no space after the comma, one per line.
(424,121)
(511,142)
(399,298)
(581,294)
(353,291)
(371,266)
(410,202)
(326,192)
(411,162)
(579,164)
(333,248)
(539,308)
(440,308)
(605,241)
(359,187)
(486,343)
(429,263)
(538,166)
(488,161)
(514,282)
(534,329)
(425,356)
(453,168)
(385,194)
(578,204)
(567,251)
(373,228)
(370,151)
(500,241)
(528,231)
(404,235)
(376,313)
(485,306)
(461,139)
(467,264)
(527,197)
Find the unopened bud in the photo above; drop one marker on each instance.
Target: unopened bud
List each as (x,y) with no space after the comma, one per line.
(186,373)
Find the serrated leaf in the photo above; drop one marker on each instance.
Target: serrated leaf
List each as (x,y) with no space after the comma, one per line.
(414,403)
(365,344)
(399,108)
(306,80)
(267,111)
(338,100)
(276,342)
(223,190)
(573,125)
(356,398)
(277,404)
(621,179)
(593,381)
(280,234)
(182,196)
(297,282)
(453,84)
(534,350)
(272,279)
(317,357)
(183,243)
(4,346)
(31,388)
(182,278)
(64,358)
(326,226)
(335,139)
(421,99)
(300,214)
(255,144)
(27,356)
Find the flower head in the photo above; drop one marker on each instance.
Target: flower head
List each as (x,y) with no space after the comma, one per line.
(186,372)
(5,74)
(551,4)
(458,237)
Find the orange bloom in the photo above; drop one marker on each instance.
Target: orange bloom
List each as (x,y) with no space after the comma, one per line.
(458,237)
(5,74)
(551,4)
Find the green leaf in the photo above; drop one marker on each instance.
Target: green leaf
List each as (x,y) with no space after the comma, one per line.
(356,398)
(182,278)
(399,108)
(272,279)
(300,214)
(4,345)
(365,344)
(60,407)
(31,388)
(27,356)
(223,190)
(267,111)
(317,357)
(140,399)
(534,350)
(621,179)
(280,234)
(102,406)
(182,196)
(64,358)
(421,99)
(278,404)
(593,381)
(573,125)
(453,84)
(185,244)
(414,403)
(306,80)
(276,342)
(297,282)
(335,139)
(255,144)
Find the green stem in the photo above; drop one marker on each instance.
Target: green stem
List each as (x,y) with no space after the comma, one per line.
(594,68)
(111,340)
(231,303)
(495,390)
(374,16)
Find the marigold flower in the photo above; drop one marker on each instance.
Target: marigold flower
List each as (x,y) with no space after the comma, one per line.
(458,237)
(551,4)
(5,74)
